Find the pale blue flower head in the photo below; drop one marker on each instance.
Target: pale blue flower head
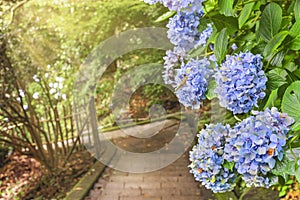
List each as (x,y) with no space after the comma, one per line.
(241,82)
(173,60)
(256,144)
(207,159)
(192,82)
(183,30)
(188,6)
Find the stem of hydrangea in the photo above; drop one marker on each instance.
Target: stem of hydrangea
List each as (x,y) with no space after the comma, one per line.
(245,191)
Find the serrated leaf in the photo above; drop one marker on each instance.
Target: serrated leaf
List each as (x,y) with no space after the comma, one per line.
(295,30)
(295,44)
(230,23)
(291,101)
(278,58)
(274,80)
(281,72)
(210,93)
(226,7)
(274,43)
(297,9)
(165,16)
(221,44)
(245,13)
(270,21)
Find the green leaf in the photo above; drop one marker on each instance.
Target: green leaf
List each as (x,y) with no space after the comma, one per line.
(230,23)
(295,30)
(211,94)
(228,165)
(279,71)
(283,192)
(291,77)
(284,168)
(297,73)
(271,100)
(221,44)
(278,58)
(274,43)
(297,9)
(291,101)
(296,126)
(226,7)
(274,80)
(197,51)
(245,13)
(270,21)
(165,16)
(203,25)
(295,44)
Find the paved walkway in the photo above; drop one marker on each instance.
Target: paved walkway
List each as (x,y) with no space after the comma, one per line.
(170,183)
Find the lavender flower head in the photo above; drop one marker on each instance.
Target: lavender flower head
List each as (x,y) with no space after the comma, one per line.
(241,82)
(207,159)
(256,144)
(192,82)
(188,6)
(204,35)
(183,30)
(173,60)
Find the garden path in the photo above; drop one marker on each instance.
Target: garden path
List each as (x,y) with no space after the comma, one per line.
(173,182)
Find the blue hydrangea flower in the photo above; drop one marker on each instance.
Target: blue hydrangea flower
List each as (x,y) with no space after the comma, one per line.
(207,159)
(204,35)
(173,60)
(183,30)
(192,82)
(188,6)
(241,82)
(256,143)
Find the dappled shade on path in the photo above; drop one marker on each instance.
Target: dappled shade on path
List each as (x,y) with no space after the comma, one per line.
(172,182)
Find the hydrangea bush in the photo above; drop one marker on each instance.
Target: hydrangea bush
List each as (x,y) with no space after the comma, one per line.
(246,54)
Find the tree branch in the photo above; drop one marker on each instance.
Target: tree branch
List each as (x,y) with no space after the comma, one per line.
(13,10)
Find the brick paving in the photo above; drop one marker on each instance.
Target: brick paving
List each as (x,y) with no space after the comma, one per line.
(173,182)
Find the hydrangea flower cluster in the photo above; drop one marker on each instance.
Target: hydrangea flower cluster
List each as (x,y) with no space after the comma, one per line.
(173,60)
(253,146)
(204,35)
(188,6)
(183,29)
(241,82)
(207,159)
(192,82)
(184,34)
(256,143)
